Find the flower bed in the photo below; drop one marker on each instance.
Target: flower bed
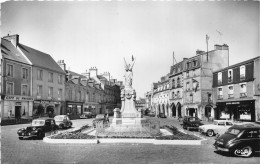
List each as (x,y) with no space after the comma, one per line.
(177,135)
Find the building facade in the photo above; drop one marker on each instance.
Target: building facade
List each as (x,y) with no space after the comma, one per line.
(16,81)
(236,91)
(48,80)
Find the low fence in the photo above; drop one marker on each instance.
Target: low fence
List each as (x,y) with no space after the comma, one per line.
(148,129)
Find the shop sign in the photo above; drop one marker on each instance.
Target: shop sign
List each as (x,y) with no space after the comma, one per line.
(18,103)
(19,98)
(232,103)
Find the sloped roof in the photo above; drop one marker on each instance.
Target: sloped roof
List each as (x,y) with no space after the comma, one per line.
(75,74)
(9,51)
(40,59)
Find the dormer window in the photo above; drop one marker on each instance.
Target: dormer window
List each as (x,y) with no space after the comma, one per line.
(220,78)
(194,63)
(242,73)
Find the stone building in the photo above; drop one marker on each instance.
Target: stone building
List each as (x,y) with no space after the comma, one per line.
(16,81)
(47,79)
(236,91)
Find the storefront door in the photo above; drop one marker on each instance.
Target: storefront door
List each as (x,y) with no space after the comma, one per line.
(17,112)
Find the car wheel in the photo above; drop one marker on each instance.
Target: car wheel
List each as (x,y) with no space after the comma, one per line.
(210,133)
(20,138)
(184,126)
(69,125)
(61,126)
(245,151)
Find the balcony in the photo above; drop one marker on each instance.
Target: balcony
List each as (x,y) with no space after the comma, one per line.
(230,96)
(243,95)
(220,97)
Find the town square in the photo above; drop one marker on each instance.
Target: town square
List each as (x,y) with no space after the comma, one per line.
(130,82)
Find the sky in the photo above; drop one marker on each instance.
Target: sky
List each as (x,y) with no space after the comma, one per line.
(102,33)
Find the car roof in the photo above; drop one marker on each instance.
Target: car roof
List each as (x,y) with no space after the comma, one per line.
(60,115)
(223,120)
(43,118)
(246,126)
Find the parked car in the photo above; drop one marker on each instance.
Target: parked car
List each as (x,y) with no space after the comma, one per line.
(86,115)
(191,123)
(240,140)
(218,127)
(63,121)
(99,117)
(151,114)
(38,128)
(161,115)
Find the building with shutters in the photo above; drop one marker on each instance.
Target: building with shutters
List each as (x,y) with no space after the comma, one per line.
(236,91)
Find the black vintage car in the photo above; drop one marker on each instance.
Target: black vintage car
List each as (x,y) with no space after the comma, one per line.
(38,128)
(191,123)
(240,140)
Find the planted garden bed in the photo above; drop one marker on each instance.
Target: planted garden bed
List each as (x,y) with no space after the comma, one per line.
(177,135)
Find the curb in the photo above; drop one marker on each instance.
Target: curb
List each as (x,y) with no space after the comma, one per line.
(101,140)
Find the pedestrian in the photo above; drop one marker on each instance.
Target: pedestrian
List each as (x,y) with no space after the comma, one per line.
(107,117)
(9,114)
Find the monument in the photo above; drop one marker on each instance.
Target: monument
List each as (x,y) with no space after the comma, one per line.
(128,114)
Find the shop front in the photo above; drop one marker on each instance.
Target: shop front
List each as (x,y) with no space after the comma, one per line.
(47,107)
(17,107)
(236,110)
(74,108)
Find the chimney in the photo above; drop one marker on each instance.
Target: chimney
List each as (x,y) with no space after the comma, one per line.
(62,64)
(221,47)
(93,72)
(107,75)
(199,52)
(14,39)
(86,74)
(185,59)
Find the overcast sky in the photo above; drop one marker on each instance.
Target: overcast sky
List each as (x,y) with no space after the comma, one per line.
(101,34)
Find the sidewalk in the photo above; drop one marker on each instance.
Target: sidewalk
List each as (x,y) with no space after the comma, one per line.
(13,121)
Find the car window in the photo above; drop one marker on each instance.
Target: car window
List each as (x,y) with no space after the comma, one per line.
(251,134)
(192,119)
(37,123)
(52,122)
(221,123)
(233,131)
(229,124)
(47,123)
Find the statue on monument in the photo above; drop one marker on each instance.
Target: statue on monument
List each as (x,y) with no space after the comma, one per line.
(129,73)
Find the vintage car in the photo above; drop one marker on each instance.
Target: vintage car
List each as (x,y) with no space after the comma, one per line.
(86,115)
(218,127)
(191,123)
(161,115)
(63,121)
(99,117)
(38,128)
(239,140)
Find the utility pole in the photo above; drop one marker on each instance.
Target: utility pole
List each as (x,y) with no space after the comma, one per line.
(207,39)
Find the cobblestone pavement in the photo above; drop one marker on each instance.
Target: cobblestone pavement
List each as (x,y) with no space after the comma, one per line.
(36,151)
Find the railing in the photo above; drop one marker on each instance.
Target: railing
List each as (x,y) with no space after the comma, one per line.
(230,96)
(243,94)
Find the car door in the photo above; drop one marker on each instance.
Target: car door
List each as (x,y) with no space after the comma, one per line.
(47,126)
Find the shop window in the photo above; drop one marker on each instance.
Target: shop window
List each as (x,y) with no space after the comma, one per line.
(220,93)
(244,112)
(39,74)
(50,79)
(231,91)
(220,78)
(242,73)
(24,73)
(243,90)
(224,114)
(10,70)
(230,75)
(24,91)
(9,88)
(39,90)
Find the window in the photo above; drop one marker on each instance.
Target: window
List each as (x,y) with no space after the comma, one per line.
(60,93)
(209,97)
(50,77)
(242,73)
(79,95)
(251,134)
(188,65)
(187,74)
(24,91)
(173,95)
(230,91)
(230,75)
(60,79)
(188,86)
(194,63)
(50,92)
(229,124)
(220,78)
(178,82)
(220,93)
(39,90)
(178,94)
(173,83)
(9,70)
(221,124)
(243,90)
(10,88)
(24,73)
(39,74)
